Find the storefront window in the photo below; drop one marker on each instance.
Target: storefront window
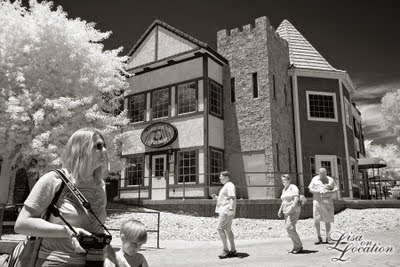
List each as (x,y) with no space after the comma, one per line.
(187,98)
(215,99)
(160,103)
(137,108)
(216,165)
(134,173)
(187,166)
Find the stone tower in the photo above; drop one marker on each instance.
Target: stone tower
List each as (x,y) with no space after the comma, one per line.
(258,111)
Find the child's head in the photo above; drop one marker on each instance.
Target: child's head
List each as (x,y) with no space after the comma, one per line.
(133,235)
(224,177)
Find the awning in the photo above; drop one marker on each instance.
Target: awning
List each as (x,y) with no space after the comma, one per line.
(369,163)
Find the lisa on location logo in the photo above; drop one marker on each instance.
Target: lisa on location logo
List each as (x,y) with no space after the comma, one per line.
(346,243)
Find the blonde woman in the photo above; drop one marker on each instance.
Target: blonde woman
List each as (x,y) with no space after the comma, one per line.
(84,161)
(291,210)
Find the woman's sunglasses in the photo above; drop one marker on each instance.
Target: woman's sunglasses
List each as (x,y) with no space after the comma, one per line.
(100,146)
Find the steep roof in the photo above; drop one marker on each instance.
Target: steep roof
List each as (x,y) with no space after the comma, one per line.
(302,54)
(161,41)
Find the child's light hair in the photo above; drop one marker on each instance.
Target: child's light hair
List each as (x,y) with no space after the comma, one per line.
(77,155)
(134,230)
(226,174)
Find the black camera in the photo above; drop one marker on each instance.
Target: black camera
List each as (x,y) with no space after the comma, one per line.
(94,241)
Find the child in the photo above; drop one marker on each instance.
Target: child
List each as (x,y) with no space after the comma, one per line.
(226,208)
(133,234)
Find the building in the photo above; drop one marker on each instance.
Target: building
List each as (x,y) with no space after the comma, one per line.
(265,104)
(177,116)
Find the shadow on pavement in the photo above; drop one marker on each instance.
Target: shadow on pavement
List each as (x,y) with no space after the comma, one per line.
(242,255)
(306,251)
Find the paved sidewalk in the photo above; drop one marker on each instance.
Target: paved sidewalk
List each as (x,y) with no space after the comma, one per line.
(272,252)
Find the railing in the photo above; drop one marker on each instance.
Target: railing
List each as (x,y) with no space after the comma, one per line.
(144,212)
(142,187)
(376,188)
(3,207)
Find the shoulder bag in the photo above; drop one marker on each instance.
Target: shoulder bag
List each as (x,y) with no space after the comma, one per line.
(26,252)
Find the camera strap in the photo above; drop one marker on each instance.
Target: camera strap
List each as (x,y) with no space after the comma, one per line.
(80,197)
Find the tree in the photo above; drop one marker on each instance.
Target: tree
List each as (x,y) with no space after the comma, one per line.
(55,78)
(390,109)
(390,153)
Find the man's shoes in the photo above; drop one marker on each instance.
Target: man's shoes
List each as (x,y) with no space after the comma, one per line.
(232,254)
(319,241)
(224,254)
(297,251)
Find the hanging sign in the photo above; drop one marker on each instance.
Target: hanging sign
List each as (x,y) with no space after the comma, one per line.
(159,134)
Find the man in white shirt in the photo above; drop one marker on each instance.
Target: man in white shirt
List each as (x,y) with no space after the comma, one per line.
(226,208)
(323,189)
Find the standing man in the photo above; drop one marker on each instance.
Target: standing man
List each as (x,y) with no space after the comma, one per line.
(226,208)
(323,188)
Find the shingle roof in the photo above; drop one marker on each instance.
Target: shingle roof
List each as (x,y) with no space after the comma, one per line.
(302,54)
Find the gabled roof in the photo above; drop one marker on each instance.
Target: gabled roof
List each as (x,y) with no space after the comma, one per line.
(161,41)
(302,54)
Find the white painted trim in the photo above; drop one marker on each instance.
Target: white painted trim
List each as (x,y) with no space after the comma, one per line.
(327,75)
(346,145)
(153,160)
(173,101)
(148,106)
(355,114)
(332,159)
(308,106)
(201,95)
(299,153)
(335,170)
(348,121)
(355,170)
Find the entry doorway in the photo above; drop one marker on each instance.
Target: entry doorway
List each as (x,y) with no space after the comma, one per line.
(330,163)
(158,177)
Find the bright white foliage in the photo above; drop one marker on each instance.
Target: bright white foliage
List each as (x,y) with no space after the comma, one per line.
(391,111)
(390,153)
(53,72)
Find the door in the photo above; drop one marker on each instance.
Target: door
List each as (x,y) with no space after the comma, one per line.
(329,162)
(158,174)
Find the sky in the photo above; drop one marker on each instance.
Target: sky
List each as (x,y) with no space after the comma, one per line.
(361,37)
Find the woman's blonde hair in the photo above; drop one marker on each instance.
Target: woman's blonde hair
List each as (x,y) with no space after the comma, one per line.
(77,155)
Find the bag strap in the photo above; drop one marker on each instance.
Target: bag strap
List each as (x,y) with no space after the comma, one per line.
(53,202)
(79,196)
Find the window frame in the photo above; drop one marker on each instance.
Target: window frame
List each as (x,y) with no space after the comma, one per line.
(309,117)
(196,105)
(211,176)
(347,113)
(211,112)
(144,110)
(178,165)
(152,101)
(142,178)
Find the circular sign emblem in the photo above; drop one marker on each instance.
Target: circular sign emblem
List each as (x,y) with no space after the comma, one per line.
(159,134)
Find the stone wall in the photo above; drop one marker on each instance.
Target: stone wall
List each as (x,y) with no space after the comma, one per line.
(257,124)
(282,122)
